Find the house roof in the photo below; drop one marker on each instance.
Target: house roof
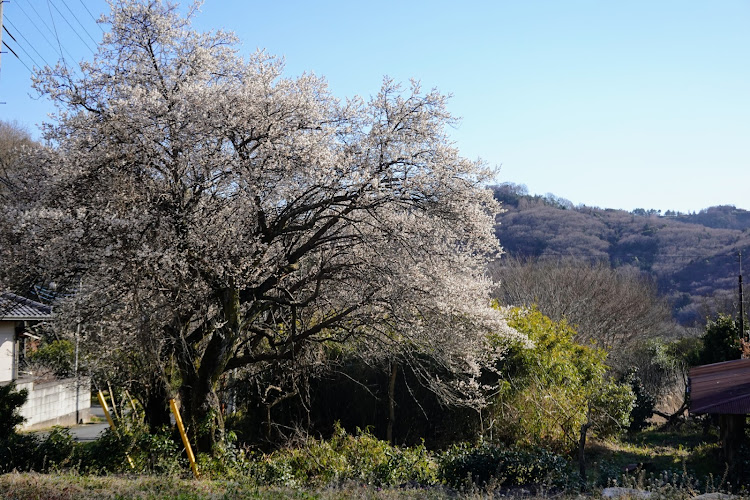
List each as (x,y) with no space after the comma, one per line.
(16,308)
(722,388)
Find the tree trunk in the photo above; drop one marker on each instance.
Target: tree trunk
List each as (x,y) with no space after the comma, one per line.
(202,414)
(155,407)
(582,452)
(732,434)
(201,374)
(391,402)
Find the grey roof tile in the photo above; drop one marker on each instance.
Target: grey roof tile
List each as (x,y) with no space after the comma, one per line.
(15,307)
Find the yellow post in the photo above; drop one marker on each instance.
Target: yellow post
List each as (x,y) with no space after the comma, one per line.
(178,420)
(103,402)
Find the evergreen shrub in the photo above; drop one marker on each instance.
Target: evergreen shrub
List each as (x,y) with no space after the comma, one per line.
(464,466)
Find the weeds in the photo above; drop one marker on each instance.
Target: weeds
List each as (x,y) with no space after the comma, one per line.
(353,466)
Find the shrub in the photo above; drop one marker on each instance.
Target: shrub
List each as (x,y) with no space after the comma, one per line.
(133,449)
(57,449)
(11,402)
(464,465)
(38,452)
(549,390)
(643,408)
(58,356)
(721,341)
(344,457)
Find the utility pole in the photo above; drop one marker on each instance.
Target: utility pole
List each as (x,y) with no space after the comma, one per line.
(741,321)
(1,38)
(78,336)
(78,380)
(1,33)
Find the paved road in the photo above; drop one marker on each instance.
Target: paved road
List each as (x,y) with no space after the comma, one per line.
(92,431)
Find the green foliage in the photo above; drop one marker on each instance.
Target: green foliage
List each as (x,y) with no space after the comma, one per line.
(681,353)
(464,466)
(38,452)
(56,450)
(11,402)
(721,341)
(114,452)
(58,355)
(344,457)
(551,389)
(17,452)
(643,408)
(668,359)
(226,462)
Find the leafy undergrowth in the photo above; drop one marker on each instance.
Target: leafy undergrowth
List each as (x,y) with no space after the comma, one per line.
(28,486)
(683,455)
(676,464)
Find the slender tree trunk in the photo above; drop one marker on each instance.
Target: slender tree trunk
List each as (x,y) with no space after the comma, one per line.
(582,451)
(391,402)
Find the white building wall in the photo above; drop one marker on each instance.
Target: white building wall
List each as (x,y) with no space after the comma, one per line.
(7,350)
(54,403)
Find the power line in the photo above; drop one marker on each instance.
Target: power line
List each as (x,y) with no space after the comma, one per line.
(37,26)
(14,53)
(92,15)
(25,39)
(21,47)
(79,22)
(1,33)
(57,37)
(71,26)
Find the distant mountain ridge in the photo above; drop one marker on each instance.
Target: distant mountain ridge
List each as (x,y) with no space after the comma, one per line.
(693,257)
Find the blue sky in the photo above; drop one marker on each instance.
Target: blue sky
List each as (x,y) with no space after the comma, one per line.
(622,104)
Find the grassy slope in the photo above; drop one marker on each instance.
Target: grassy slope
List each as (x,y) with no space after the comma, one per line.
(27,486)
(685,453)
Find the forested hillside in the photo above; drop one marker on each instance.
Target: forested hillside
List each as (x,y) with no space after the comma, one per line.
(693,257)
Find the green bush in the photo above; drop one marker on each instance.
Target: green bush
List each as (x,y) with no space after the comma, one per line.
(360,458)
(11,402)
(133,449)
(464,465)
(58,356)
(56,450)
(721,341)
(645,402)
(549,390)
(38,452)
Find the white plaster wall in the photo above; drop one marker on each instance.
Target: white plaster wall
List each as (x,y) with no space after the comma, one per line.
(7,334)
(54,403)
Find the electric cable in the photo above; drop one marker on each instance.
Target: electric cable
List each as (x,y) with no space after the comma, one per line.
(79,22)
(92,15)
(57,37)
(71,26)
(59,48)
(21,60)
(33,23)
(36,64)
(25,39)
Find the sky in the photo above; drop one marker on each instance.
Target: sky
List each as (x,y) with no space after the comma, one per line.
(615,104)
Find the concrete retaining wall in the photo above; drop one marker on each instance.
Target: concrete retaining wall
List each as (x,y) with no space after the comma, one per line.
(54,403)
